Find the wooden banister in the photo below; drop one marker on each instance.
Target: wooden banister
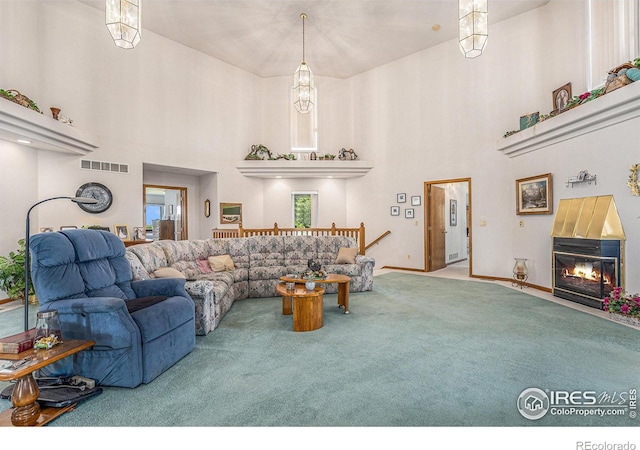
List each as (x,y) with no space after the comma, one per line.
(356,233)
(378,239)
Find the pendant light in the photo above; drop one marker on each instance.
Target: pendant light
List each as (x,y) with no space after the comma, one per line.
(473,26)
(124,22)
(303,88)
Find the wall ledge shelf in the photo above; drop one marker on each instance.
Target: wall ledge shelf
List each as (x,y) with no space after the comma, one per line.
(610,109)
(283,168)
(45,133)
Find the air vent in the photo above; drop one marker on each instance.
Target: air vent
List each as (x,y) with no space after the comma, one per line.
(104,166)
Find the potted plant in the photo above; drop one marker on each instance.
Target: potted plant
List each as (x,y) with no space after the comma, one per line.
(622,306)
(12,273)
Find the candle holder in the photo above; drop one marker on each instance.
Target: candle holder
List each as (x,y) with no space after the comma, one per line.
(520,273)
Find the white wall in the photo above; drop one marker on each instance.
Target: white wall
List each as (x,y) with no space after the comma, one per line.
(430,116)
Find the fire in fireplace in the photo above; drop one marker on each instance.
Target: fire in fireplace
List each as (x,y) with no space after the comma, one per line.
(588,250)
(585,270)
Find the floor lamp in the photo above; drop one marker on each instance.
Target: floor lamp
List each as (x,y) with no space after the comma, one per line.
(82,200)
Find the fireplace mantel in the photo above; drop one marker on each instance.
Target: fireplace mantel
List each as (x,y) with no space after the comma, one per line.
(615,107)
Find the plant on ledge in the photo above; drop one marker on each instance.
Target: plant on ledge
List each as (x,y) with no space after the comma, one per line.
(619,302)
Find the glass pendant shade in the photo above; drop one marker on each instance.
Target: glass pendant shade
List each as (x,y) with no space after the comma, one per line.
(473,26)
(124,22)
(303,90)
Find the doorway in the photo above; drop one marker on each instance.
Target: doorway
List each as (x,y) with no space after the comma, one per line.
(447,219)
(166,208)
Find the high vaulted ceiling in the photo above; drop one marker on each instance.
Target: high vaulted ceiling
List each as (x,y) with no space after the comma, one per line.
(342,37)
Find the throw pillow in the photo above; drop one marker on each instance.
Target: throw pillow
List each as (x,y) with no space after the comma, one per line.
(221,263)
(203,265)
(168,272)
(346,255)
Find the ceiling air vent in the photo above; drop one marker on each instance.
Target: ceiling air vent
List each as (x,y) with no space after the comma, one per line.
(104,166)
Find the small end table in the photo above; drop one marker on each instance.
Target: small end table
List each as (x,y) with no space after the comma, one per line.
(26,410)
(307,306)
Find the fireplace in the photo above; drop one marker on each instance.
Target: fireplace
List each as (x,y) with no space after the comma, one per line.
(585,270)
(588,250)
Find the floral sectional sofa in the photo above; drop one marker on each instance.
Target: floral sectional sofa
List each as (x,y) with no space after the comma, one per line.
(257,264)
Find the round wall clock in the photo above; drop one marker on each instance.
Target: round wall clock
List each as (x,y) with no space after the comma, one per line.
(98,191)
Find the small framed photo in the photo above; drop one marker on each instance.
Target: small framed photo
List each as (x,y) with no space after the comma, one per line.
(395,210)
(139,234)
(534,195)
(561,97)
(408,213)
(453,213)
(122,231)
(401,198)
(68,227)
(416,200)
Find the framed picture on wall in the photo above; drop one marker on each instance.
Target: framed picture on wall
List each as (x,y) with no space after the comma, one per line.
(408,213)
(230,212)
(416,200)
(401,198)
(395,210)
(533,195)
(453,212)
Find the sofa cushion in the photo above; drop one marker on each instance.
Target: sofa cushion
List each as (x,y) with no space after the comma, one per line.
(266,251)
(168,272)
(329,246)
(203,265)
(346,255)
(238,250)
(138,272)
(220,263)
(152,256)
(298,250)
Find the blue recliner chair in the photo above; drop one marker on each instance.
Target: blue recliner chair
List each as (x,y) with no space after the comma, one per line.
(141,328)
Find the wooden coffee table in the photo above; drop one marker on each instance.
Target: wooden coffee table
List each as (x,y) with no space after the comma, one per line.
(343,282)
(307,306)
(26,410)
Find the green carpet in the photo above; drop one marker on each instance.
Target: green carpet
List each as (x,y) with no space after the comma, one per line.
(416,351)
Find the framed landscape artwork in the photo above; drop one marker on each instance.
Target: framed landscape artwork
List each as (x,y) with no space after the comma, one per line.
(534,195)
(230,212)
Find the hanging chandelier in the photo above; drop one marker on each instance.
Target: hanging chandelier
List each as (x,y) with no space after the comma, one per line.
(303,88)
(473,26)
(124,22)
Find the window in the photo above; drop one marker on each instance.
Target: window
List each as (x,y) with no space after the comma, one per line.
(613,37)
(304,209)
(304,127)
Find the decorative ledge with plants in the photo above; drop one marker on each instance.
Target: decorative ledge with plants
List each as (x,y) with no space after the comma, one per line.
(582,114)
(21,119)
(263,163)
